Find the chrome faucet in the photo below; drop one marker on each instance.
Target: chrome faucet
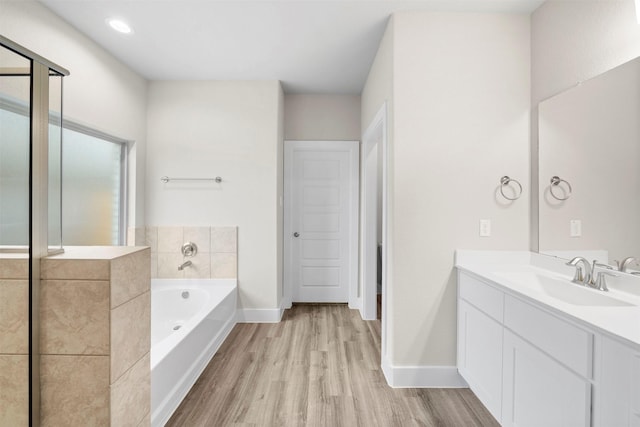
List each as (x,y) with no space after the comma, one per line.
(586,277)
(183,265)
(623,265)
(583,273)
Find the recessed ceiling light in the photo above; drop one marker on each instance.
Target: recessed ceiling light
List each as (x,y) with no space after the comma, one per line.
(120,26)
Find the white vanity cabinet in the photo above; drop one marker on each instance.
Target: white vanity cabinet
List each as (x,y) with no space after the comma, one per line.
(526,365)
(540,391)
(546,370)
(480,330)
(617,395)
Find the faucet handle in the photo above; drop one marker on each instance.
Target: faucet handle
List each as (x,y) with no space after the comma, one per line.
(597,264)
(600,282)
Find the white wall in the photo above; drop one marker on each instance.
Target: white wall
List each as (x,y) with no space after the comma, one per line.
(461,97)
(101,92)
(228,129)
(573,41)
(322,117)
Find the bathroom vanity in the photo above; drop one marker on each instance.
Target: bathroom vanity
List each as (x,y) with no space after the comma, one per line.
(539,350)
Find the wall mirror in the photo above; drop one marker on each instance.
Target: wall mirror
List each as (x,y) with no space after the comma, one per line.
(589,140)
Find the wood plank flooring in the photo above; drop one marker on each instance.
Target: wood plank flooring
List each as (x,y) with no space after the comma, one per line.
(320,366)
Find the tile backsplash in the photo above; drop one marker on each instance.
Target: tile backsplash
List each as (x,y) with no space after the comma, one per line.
(217,255)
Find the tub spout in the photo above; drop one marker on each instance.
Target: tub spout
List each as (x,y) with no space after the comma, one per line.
(183,265)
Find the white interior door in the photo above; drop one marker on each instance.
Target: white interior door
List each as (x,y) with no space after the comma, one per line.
(321,220)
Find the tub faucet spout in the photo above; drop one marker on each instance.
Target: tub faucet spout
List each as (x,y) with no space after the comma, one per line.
(183,265)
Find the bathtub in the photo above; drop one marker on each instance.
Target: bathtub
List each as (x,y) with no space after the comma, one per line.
(190,318)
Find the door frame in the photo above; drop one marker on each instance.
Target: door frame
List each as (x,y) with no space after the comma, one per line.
(371,135)
(374,138)
(354,151)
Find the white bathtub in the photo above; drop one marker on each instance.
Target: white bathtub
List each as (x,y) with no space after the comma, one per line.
(190,318)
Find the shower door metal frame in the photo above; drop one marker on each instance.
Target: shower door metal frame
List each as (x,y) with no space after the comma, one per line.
(38,203)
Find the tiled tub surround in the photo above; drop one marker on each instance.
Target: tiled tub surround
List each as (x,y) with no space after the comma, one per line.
(95,337)
(217,256)
(14,339)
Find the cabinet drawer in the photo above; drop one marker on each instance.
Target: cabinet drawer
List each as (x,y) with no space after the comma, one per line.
(484,297)
(563,341)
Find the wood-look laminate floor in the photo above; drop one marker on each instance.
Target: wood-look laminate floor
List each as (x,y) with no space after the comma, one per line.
(320,366)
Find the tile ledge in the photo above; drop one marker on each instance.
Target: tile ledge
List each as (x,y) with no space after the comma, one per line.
(96,253)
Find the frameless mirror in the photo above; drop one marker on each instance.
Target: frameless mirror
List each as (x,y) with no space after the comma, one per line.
(589,138)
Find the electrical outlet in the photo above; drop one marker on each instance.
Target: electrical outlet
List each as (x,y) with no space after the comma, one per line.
(575,227)
(485,227)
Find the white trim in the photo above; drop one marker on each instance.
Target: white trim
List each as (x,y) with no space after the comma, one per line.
(354,151)
(375,134)
(423,376)
(259,315)
(357,304)
(380,119)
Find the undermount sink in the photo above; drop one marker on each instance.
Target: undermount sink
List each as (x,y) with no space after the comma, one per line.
(563,290)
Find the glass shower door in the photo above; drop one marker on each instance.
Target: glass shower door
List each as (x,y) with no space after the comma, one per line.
(30,219)
(15,139)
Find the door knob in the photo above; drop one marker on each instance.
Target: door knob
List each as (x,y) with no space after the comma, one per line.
(296,234)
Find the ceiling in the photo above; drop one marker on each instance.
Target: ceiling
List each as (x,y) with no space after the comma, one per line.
(312,46)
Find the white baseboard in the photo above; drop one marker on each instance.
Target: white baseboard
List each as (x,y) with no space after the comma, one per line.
(357,305)
(259,315)
(422,376)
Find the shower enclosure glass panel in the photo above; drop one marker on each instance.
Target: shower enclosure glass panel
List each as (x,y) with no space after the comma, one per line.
(30,113)
(15,95)
(55,162)
(15,140)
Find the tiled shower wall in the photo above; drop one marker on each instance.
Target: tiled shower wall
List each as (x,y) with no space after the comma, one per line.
(14,340)
(95,312)
(217,256)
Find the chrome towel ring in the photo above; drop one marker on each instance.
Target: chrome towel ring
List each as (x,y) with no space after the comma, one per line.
(505,181)
(555,182)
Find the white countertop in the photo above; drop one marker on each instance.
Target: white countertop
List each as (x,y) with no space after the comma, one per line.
(619,322)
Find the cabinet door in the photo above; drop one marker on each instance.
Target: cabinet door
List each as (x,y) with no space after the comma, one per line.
(480,355)
(617,385)
(539,391)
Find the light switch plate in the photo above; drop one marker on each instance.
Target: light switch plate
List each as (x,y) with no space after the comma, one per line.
(575,226)
(485,227)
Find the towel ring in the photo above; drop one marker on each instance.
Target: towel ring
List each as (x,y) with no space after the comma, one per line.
(555,182)
(504,181)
